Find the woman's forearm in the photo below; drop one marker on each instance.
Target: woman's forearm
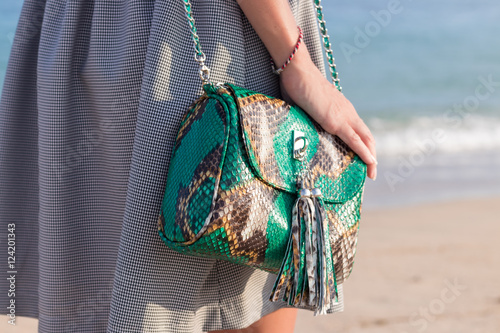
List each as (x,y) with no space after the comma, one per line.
(275,24)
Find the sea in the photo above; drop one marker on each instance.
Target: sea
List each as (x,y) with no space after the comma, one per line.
(425,77)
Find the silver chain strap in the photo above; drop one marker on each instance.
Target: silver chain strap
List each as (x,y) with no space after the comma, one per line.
(326,44)
(200,58)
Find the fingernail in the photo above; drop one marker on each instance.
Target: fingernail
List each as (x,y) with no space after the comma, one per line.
(374,160)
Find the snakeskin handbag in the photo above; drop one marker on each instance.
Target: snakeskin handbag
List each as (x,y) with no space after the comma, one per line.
(257,182)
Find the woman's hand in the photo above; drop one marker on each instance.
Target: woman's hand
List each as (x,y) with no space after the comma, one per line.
(303,84)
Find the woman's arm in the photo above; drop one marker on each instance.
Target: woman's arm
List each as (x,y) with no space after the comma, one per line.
(302,82)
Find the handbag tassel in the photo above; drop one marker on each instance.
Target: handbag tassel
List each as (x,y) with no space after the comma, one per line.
(307,277)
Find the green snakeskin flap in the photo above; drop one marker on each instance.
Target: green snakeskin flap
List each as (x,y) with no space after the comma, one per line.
(232,181)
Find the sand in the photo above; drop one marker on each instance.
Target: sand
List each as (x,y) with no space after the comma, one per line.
(426,268)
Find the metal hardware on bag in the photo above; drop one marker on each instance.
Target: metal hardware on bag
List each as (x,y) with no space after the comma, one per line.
(221,88)
(300,143)
(316,192)
(305,193)
(204,71)
(200,58)
(205,74)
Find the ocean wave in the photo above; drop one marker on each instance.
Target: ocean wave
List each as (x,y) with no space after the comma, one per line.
(435,134)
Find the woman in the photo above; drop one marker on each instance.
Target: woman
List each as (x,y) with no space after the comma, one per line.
(93,98)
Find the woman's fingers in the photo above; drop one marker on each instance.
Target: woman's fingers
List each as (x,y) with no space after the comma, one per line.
(372,171)
(365,135)
(354,141)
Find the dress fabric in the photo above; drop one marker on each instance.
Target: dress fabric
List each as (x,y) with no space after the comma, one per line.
(93,97)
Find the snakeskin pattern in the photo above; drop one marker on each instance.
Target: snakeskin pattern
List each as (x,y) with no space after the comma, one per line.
(231,185)
(268,125)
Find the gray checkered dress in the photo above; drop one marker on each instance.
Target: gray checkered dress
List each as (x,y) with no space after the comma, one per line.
(93,97)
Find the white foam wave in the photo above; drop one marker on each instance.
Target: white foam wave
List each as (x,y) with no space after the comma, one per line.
(436,134)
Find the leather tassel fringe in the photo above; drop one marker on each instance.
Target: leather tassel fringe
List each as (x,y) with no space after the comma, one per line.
(307,277)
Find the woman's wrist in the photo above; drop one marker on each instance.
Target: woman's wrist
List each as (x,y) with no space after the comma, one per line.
(278,70)
(301,64)
(302,78)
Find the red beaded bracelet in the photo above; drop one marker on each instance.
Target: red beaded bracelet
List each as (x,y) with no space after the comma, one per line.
(279,70)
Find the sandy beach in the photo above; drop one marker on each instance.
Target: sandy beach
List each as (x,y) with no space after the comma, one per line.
(426,268)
